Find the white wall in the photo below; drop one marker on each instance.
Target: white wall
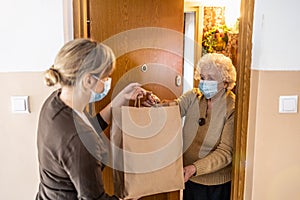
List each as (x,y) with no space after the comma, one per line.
(276,35)
(31,33)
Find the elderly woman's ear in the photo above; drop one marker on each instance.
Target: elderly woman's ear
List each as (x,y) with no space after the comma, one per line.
(225,85)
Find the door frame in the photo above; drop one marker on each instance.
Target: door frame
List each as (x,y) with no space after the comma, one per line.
(242,100)
(81,23)
(80,18)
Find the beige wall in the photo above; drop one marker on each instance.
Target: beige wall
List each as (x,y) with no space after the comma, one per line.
(273,161)
(18,153)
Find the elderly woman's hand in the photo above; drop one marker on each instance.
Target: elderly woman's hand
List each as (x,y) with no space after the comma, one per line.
(150,99)
(189,171)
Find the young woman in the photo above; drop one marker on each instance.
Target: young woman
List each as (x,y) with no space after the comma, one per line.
(69,148)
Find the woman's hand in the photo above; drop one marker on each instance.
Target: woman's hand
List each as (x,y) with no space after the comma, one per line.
(134,91)
(189,171)
(131,92)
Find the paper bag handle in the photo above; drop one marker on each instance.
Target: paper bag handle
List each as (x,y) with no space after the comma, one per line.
(137,102)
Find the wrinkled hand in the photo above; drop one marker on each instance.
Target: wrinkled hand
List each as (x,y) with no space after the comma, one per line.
(189,171)
(150,99)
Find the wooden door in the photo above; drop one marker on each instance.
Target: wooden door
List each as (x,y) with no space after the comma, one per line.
(140,32)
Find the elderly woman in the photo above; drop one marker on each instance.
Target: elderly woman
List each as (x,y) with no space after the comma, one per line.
(71,152)
(208,130)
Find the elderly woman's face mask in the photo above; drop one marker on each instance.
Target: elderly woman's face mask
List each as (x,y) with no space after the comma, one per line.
(208,88)
(209,83)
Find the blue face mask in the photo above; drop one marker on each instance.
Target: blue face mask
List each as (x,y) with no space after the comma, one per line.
(98,96)
(208,88)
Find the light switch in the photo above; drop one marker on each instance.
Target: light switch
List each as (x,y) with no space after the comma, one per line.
(20,104)
(288,104)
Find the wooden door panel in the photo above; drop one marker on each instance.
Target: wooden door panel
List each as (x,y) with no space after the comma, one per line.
(162,69)
(113,19)
(102,20)
(121,15)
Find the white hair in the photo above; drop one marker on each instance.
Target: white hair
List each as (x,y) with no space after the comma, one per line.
(221,63)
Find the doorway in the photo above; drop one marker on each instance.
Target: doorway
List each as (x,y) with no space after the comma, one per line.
(242,89)
(189,52)
(243,67)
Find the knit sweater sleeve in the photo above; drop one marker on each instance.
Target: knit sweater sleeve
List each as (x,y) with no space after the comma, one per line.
(221,156)
(185,101)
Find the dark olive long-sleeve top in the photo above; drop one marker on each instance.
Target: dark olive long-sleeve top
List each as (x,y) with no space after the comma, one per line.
(69,154)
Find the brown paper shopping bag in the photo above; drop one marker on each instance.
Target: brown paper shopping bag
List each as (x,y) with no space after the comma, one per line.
(147,150)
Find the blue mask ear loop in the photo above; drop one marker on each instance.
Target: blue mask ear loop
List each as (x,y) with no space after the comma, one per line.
(97,78)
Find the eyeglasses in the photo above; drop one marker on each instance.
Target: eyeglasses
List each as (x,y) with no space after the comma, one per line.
(106,79)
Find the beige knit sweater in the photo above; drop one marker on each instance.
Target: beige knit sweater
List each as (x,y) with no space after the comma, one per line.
(208,147)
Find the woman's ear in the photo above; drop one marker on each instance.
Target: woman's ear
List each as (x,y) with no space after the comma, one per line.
(88,81)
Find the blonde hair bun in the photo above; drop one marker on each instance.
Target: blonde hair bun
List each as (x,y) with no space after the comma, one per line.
(52,77)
